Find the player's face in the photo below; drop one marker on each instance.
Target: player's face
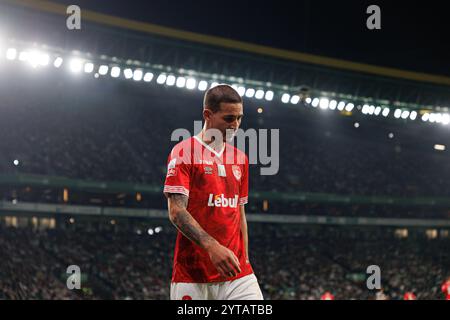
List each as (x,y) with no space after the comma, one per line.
(229,117)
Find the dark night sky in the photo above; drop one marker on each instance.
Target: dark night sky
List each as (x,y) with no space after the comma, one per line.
(414,35)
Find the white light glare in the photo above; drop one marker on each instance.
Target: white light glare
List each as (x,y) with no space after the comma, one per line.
(269,95)
(285,98)
(259,94)
(171,79)
(349,107)
(323,103)
(148,77)
(181,82)
(103,70)
(413,115)
(315,102)
(250,92)
(439,147)
(58,62)
(202,85)
(161,78)
(75,65)
(295,99)
(241,91)
(397,113)
(115,72)
(11,54)
(128,73)
(341,106)
(308,100)
(36,58)
(88,67)
(137,75)
(333,104)
(425,117)
(191,83)
(405,114)
(385,112)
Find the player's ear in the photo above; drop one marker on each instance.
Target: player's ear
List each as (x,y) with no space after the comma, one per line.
(207,114)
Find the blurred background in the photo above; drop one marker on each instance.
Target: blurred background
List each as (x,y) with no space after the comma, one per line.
(86,118)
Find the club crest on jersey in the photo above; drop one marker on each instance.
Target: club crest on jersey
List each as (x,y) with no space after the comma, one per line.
(237,172)
(220,201)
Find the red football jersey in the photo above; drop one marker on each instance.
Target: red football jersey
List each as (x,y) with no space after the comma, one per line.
(446,289)
(217,185)
(327,296)
(409,296)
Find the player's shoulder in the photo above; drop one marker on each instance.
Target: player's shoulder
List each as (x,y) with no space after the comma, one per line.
(183,149)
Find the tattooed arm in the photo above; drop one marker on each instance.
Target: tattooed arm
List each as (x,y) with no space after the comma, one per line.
(223,259)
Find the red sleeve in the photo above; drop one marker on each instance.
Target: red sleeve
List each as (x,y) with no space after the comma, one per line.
(243,195)
(178,176)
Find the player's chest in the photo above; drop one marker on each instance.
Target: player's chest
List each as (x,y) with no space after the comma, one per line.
(213,173)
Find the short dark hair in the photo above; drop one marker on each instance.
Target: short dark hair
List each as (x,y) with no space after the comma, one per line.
(218,94)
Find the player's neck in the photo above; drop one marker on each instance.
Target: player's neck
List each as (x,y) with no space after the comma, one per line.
(214,144)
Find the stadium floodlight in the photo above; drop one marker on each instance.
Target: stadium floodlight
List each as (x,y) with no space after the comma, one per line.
(439,147)
(214,84)
(161,78)
(315,102)
(365,109)
(341,106)
(37,58)
(432,118)
(191,83)
(58,62)
(332,105)
(203,85)
(356,125)
(405,114)
(285,98)
(103,69)
(23,56)
(391,135)
(438,118)
(426,117)
(349,107)
(397,113)
(158,229)
(385,112)
(250,92)
(241,91)
(308,100)
(413,115)
(295,99)
(128,73)
(75,65)
(323,103)
(148,76)
(259,94)
(181,82)
(371,109)
(137,75)
(16,162)
(269,95)
(445,118)
(171,79)
(115,72)
(88,67)
(11,54)
(150,232)
(377,111)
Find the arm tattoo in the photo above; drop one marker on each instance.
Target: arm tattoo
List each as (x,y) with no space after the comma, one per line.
(186,224)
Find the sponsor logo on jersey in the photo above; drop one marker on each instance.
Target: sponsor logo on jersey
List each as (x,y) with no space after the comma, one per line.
(171,170)
(220,201)
(208,170)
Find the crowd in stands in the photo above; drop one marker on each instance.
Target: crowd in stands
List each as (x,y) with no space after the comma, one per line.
(290,262)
